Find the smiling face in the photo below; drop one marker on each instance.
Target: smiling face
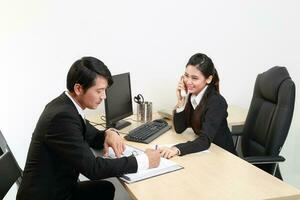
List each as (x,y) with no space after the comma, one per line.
(194,80)
(93,96)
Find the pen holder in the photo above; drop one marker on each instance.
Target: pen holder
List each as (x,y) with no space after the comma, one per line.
(144,111)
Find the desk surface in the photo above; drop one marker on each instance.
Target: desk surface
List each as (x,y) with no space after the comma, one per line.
(236,115)
(216,174)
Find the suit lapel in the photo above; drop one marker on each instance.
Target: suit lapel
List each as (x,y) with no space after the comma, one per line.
(83,125)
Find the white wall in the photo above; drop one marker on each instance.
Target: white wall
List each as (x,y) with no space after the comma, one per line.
(39,40)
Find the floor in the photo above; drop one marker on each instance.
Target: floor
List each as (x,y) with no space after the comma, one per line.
(121,193)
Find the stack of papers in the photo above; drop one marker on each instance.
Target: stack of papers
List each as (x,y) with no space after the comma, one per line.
(164,167)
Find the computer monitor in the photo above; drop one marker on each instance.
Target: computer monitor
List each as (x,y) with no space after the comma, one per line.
(118,102)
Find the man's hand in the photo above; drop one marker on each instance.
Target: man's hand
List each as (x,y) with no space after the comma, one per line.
(113,140)
(154,157)
(167,152)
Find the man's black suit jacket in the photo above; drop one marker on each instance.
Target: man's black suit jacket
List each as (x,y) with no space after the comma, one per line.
(60,150)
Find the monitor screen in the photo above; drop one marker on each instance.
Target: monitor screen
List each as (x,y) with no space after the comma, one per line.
(118,102)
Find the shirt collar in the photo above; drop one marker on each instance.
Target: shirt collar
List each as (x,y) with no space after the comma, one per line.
(195,99)
(79,109)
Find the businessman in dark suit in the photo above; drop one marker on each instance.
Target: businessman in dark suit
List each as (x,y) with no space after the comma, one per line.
(61,141)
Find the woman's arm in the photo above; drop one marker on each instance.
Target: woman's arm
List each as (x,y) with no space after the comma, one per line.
(179,118)
(214,114)
(179,121)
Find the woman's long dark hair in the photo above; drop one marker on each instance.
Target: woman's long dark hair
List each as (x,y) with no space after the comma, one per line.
(205,65)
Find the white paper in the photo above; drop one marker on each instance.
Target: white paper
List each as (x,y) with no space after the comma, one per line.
(165,166)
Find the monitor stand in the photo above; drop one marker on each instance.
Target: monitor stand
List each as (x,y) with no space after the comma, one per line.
(120,124)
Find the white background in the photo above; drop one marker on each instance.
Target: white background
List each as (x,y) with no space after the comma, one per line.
(153,40)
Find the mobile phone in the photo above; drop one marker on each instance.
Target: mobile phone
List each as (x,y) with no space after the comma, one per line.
(183,92)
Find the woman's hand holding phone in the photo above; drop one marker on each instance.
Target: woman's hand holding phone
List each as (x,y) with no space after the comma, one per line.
(181,93)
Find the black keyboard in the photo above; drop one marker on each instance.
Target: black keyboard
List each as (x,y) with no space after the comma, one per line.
(148,132)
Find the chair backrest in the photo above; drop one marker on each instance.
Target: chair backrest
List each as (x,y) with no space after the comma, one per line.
(270,113)
(10,172)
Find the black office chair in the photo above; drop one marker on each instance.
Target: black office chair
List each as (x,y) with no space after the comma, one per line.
(268,120)
(10,172)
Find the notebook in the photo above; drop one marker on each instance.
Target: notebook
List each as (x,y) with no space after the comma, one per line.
(164,167)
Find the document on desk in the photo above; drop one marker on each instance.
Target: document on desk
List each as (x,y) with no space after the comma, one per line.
(164,167)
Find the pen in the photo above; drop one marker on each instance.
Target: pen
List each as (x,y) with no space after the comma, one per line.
(156,146)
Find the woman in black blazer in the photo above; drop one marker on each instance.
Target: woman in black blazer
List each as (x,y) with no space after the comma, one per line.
(203,109)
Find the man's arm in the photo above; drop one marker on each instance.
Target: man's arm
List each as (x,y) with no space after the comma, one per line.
(65,138)
(94,137)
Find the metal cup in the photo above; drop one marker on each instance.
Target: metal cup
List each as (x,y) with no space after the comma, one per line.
(144,111)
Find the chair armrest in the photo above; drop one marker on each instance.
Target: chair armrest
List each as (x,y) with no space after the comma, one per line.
(237,130)
(238,134)
(264,159)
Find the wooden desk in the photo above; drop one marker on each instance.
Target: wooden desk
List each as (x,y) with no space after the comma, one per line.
(216,174)
(236,115)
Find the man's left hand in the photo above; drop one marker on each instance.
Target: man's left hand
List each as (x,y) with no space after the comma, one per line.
(113,140)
